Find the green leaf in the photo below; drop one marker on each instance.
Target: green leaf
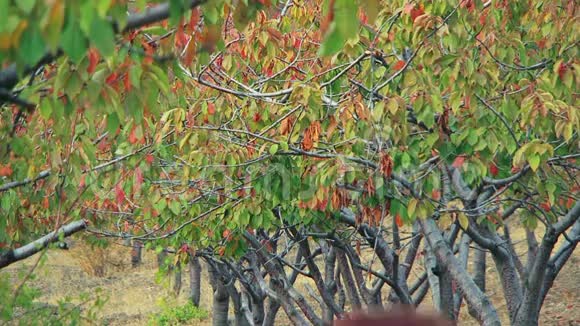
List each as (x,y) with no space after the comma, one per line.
(103,6)
(284,146)
(32,46)
(73,42)
(26,5)
(333,42)
(175,207)
(113,123)
(534,161)
(45,109)
(102,36)
(176,9)
(273,149)
(346,16)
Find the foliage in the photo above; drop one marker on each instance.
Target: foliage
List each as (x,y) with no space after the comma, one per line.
(172,315)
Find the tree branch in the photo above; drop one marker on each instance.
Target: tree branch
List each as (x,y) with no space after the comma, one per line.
(32,248)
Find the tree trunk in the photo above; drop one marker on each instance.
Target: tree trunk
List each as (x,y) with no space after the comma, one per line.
(194,280)
(432,269)
(348,281)
(136,253)
(486,312)
(177,279)
(258,311)
(479,264)
(161,259)
(221,299)
(329,280)
(463,258)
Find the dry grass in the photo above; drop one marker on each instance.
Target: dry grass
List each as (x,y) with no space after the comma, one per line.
(134,295)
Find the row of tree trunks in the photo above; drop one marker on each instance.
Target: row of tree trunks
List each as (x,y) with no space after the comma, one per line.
(262,281)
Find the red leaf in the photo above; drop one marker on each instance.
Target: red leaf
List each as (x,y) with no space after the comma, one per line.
(180,37)
(363,17)
(120,194)
(562,70)
(132,136)
(138,180)
(458,162)
(93,56)
(546,206)
(436,194)
(569,202)
(194,19)
(416,12)
(112,78)
(82,182)
(257,117)
(493,169)
(149,159)
(138,175)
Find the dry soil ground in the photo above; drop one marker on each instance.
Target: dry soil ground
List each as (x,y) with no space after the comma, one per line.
(133,295)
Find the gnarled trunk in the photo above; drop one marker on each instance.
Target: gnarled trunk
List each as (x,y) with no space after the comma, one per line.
(221,298)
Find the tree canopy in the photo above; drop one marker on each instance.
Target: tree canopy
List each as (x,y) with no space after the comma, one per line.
(242,131)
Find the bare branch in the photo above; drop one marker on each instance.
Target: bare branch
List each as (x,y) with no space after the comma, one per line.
(32,248)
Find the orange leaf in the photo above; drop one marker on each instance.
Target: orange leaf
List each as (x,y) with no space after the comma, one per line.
(286,125)
(127,81)
(399,65)
(331,127)
(211,108)
(386,165)
(311,135)
(190,52)
(275,33)
(398,220)
(5,171)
